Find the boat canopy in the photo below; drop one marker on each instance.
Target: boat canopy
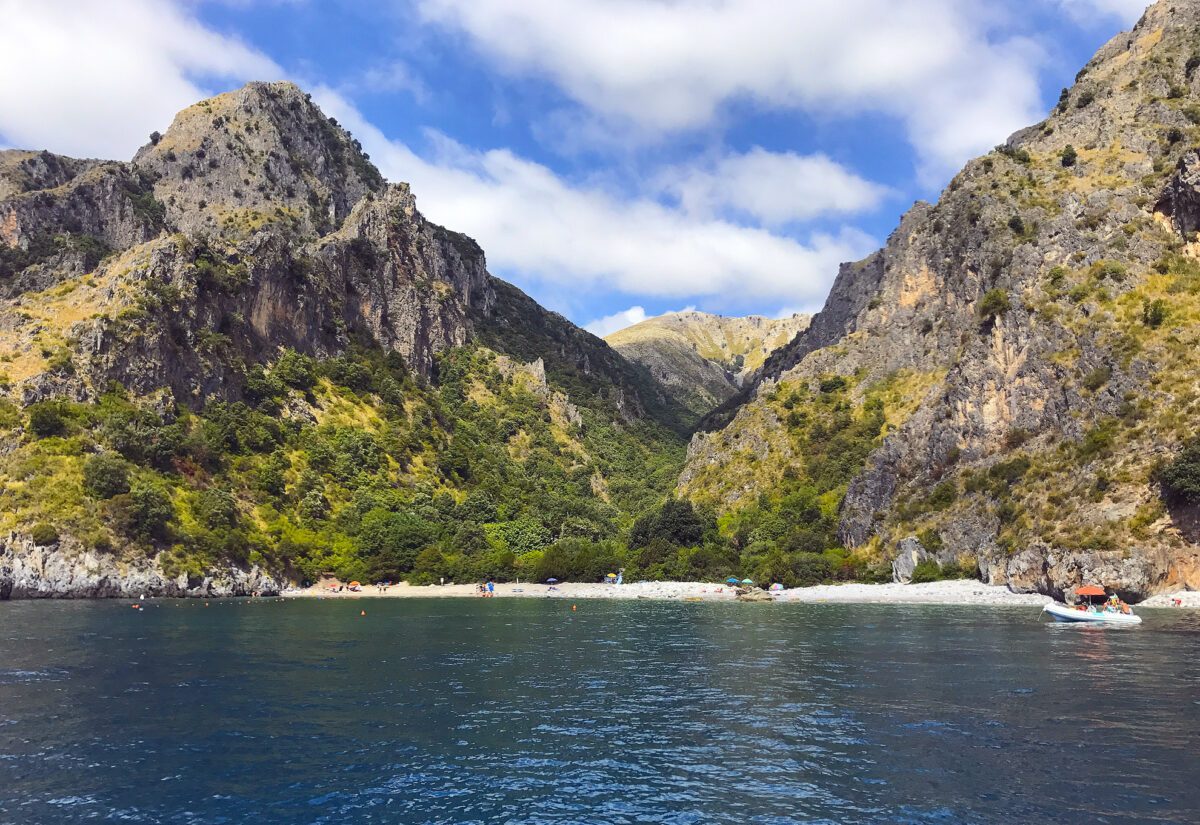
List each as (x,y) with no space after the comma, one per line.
(1091,590)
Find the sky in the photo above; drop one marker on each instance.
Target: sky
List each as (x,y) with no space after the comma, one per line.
(616,159)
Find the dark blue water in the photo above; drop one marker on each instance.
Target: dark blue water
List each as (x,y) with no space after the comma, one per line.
(523,711)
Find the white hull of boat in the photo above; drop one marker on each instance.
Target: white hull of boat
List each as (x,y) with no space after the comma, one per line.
(1063,613)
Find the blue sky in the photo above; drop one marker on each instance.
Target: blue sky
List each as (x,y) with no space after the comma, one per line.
(615,158)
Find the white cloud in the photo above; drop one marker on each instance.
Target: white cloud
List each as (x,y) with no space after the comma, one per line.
(609,324)
(531,221)
(773,188)
(395,76)
(661,67)
(1127,11)
(94,79)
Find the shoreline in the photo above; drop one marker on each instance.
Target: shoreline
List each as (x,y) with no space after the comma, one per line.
(950,592)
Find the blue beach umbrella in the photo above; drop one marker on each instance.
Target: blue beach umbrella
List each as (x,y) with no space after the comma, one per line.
(731,580)
(551,581)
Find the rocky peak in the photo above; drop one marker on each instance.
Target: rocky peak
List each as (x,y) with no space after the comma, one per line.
(25,171)
(262,153)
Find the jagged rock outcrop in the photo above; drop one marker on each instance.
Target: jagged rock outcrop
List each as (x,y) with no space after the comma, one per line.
(261,152)
(1020,311)
(909,553)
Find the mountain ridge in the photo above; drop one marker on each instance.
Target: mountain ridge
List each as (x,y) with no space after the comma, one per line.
(703,358)
(1009,358)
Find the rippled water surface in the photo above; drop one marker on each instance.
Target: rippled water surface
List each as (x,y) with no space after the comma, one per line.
(527,712)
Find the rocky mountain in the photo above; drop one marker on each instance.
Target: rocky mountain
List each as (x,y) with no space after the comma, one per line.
(700,358)
(244,357)
(1010,383)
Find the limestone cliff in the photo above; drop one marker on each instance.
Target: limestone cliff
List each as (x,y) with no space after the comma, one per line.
(1024,349)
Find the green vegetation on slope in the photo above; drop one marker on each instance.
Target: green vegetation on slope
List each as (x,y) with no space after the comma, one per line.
(350,466)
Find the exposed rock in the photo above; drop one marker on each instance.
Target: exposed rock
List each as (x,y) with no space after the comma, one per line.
(263,149)
(909,554)
(755,594)
(63,571)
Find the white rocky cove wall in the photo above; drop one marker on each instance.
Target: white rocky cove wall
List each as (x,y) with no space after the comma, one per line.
(61,571)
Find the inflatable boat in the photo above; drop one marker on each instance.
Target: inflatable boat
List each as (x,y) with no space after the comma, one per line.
(1089,614)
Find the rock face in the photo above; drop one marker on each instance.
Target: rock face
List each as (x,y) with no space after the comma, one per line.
(64,572)
(254,223)
(261,150)
(702,359)
(1044,383)
(909,553)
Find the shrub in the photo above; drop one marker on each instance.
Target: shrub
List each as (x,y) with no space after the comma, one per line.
(930,539)
(833,384)
(43,534)
(1191,65)
(676,523)
(1016,225)
(926,571)
(1011,471)
(1154,313)
(155,137)
(105,475)
(295,370)
(942,496)
(46,419)
(1110,270)
(144,513)
(1097,441)
(1086,99)
(1097,378)
(216,509)
(1069,156)
(1180,480)
(993,304)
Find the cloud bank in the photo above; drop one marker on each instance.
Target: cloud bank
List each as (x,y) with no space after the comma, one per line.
(660,67)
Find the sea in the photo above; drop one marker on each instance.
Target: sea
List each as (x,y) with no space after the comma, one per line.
(543,711)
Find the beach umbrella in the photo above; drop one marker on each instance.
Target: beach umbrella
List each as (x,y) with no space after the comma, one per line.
(747,581)
(551,581)
(1090,590)
(356,584)
(777,587)
(731,580)
(611,576)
